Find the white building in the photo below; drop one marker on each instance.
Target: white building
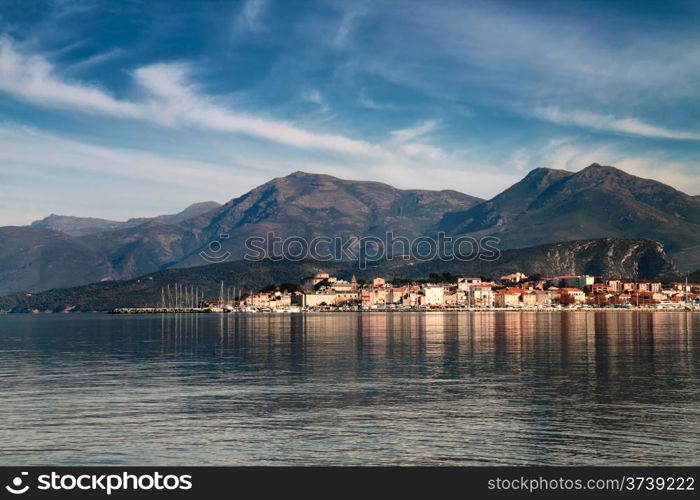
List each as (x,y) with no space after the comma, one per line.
(434,295)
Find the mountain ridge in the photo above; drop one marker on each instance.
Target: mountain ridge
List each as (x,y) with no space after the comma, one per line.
(82,226)
(598,201)
(546,206)
(310,205)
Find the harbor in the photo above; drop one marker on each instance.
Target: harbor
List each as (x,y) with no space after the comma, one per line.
(356,309)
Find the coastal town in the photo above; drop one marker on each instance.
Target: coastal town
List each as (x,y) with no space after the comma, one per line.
(322,292)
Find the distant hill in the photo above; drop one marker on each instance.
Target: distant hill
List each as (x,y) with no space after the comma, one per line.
(37,259)
(609,257)
(81,226)
(598,201)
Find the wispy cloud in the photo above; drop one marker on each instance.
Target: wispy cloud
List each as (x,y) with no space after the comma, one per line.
(251,15)
(314,96)
(418,130)
(366,101)
(169,99)
(96,59)
(513,55)
(29,147)
(32,78)
(352,12)
(628,125)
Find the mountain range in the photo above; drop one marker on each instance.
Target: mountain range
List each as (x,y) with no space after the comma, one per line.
(546,206)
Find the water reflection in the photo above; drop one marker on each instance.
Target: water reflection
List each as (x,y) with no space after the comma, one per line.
(377,388)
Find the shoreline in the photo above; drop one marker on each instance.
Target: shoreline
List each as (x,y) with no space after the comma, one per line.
(403,311)
(141,311)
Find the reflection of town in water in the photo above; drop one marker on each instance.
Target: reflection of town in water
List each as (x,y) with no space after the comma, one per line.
(602,339)
(578,387)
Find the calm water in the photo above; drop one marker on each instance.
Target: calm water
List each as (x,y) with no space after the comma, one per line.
(432,388)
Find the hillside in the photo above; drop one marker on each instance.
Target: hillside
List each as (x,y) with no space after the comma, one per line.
(310,205)
(608,257)
(598,201)
(300,204)
(32,258)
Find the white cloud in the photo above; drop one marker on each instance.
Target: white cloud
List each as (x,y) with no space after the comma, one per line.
(313,95)
(630,126)
(32,78)
(668,172)
(418,130)
(169,100)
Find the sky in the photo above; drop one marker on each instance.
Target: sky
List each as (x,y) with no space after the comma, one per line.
(138,108)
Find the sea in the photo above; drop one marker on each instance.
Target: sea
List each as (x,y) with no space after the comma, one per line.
(372,388)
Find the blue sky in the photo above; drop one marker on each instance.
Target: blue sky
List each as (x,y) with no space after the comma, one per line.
(123,109)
